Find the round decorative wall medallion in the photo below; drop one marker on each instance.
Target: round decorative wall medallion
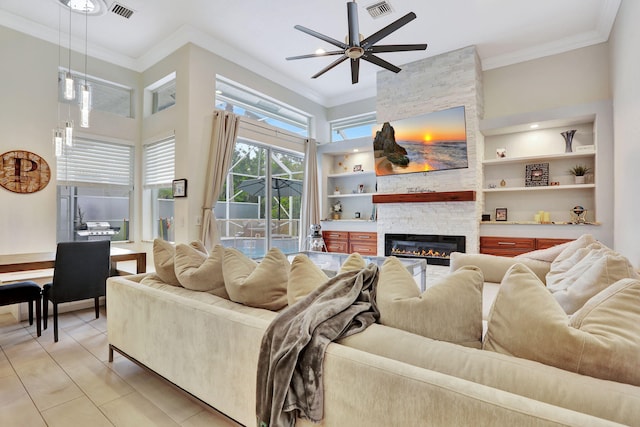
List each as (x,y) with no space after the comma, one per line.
(23,172)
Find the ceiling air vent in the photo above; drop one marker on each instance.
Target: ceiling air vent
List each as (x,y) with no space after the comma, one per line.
(379,9)
(121,10)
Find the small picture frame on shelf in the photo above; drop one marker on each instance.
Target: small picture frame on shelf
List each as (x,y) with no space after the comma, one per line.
(537,175)
(179,188)
(501,214)
(357,168)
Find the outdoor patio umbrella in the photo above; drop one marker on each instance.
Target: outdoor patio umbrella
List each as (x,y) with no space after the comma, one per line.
(282,187)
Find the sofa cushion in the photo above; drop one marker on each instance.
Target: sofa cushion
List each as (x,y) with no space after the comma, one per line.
(163,259)
(600,340)
(588,271)
(261,285)
(570,249)
(547,255)
(199,272)
(449,310)
(494,267)
(305,276)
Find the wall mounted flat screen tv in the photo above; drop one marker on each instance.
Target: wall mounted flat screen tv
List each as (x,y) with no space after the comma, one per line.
(431,142)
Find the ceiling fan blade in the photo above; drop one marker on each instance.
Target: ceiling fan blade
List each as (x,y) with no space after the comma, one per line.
(316,55)
(381,62)
(352,20)
(375,37)
(355,70)
(396,47)
(330,66)
(321,36)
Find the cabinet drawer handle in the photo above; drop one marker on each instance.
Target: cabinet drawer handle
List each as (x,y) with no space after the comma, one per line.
(334,235)
(507,243)
(363,237)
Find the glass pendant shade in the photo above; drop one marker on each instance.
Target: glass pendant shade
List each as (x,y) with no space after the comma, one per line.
(68,134)
(58,141)
(85,105)
(69,90)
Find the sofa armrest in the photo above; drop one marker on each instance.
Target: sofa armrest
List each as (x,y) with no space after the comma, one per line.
(494,267)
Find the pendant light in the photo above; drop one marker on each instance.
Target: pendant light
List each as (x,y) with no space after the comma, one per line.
(85,92)
(69,89)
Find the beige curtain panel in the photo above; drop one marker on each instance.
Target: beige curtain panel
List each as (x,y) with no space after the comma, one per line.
(223,140)
(310,209)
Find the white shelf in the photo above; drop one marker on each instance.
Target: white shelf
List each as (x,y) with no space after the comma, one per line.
(541,188)
(538,158)
(535,223)
(347,220)
(337,196)
(348,174)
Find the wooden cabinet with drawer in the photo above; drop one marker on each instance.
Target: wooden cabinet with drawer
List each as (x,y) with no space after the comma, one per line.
(346,242)
(364,243)
(512,246)
(336,241)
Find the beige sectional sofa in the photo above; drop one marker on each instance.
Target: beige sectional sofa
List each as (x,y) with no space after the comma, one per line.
(209,346)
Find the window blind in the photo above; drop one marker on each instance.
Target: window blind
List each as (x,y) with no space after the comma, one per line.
(159,163)
(96,162)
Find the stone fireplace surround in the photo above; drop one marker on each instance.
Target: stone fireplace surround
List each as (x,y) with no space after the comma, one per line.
(433,84)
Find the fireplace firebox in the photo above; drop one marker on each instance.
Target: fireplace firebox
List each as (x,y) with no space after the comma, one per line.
(436,249)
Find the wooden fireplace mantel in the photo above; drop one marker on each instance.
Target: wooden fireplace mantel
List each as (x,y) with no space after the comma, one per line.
(441,196)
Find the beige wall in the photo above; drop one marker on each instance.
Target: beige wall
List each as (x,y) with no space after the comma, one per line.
(577,77)
(625,72)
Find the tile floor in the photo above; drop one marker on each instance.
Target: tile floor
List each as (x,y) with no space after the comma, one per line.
(70,383)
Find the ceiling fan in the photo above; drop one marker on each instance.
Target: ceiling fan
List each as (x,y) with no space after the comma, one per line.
(358,48)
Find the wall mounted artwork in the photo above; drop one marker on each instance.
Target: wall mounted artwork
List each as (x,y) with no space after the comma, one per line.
(431,142)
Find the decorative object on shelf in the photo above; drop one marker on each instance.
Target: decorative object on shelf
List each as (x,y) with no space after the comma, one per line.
(501,152)
(357,215)
(501,214)
(568,139)
(494,186)
(23,172)
(360,188)
(503,183)
(542,217)
(179,188)
(336,210)
(578,215)
(357,168)
(486,217)
(336,192)
(537,175)
(554,183)
(579,171)
(315,242)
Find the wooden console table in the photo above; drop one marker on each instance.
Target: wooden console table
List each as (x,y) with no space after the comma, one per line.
(37,261)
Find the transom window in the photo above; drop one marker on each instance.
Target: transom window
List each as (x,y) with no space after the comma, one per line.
(105,96)
(353,127)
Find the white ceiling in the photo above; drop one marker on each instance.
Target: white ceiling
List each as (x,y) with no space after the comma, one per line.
(259,34)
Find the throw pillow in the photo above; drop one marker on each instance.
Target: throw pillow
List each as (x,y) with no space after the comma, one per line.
(305,276)
(262,285)
(450,310)
(600,340)
(353,262)
(163,260)
(199,272)
(598,273)
(581,242)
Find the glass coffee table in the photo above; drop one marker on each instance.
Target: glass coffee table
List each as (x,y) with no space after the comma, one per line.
(330,263)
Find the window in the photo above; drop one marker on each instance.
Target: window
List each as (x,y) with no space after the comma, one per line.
(105,96)
(95,184)
(233,97)
(353,127)
(163,97)
(159,172)
(252,216)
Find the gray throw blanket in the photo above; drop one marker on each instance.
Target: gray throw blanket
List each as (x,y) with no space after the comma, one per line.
(289,381)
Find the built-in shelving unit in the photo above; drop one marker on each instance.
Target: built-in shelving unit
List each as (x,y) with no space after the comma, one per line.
(348,176)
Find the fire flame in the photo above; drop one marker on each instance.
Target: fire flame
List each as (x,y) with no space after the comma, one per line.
(421,253)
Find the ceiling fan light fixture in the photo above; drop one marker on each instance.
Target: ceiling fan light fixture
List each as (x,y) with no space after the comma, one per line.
(354,52)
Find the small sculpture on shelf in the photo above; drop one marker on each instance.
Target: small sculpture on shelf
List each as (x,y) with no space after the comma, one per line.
(568,139)
(336,210)
(578,215)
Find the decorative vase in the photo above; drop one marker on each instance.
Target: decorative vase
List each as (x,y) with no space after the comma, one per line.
(335,215)
(580,179)
(568,139)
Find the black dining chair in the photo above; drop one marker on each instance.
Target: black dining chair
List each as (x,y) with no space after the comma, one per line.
(80,272)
